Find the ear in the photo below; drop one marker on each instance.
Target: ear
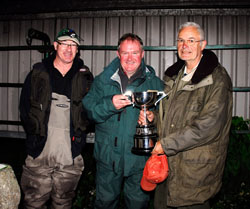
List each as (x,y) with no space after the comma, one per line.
(203,44)
(142,54)
(118,54)
(55,45)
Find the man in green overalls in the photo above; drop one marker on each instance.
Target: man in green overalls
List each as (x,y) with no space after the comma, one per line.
(106,103)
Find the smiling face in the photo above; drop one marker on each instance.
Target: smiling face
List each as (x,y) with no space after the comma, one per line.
(190,45)
(66,51)
(130,53)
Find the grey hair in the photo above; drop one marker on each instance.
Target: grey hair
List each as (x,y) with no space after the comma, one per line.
(193,24)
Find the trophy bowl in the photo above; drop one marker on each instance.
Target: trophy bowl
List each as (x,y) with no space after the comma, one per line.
(144,98)
(146,135)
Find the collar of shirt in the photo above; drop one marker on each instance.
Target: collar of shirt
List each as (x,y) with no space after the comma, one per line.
(188,76)
(125,81)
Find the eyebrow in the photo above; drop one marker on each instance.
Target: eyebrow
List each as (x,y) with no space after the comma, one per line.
(188,37)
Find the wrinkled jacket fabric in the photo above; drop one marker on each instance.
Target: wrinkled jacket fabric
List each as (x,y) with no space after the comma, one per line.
(194,132)
(115,129)
(35,104)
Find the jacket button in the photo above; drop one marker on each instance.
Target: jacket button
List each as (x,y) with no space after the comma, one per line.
(172,125)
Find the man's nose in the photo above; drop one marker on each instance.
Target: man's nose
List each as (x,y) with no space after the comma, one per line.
(184,45)
(69,48)
(130,56)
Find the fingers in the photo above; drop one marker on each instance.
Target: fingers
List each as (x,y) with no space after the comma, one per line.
(142,120)
(120,101)
(157,149)
(150,116)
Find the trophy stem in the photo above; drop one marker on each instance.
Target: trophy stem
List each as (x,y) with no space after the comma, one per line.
(145,114)
(146,133)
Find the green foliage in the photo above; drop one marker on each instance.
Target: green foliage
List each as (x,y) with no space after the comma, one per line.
(238,163)
(234,200)
(235,191)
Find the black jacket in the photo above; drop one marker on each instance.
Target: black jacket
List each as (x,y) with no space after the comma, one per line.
(35,103)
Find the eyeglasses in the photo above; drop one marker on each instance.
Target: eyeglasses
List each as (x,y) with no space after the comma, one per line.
(64,45)
(189,42)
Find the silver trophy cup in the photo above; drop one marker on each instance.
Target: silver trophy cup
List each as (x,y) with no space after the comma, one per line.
(146,135)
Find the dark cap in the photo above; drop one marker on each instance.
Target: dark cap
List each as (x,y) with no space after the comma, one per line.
(68,34)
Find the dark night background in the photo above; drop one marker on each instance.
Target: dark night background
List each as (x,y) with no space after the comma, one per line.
(48,6)
(12,149)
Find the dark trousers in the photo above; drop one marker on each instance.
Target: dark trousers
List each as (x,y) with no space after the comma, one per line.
(109,186)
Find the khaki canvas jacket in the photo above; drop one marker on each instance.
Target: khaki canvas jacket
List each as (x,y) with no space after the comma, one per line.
(194,124)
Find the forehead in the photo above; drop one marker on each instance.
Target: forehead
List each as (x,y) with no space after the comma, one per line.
(189,32)
(68,41)
(129,43)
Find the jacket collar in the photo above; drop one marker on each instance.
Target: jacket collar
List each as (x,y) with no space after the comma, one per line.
(208,63)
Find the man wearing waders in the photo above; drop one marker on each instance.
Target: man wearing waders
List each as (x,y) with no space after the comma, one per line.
(55,123)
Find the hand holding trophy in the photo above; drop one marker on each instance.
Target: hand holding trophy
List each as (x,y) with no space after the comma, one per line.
(146,134)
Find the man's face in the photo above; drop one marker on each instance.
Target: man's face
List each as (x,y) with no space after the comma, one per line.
(130,54)
(66,51)
(190,45)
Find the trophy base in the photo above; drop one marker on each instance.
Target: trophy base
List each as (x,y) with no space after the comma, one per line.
(139,151)
(144,144)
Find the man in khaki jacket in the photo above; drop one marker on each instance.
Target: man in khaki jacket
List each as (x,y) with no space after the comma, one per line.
(193,124)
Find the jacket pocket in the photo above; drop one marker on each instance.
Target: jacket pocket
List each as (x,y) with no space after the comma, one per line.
(103,151)
(33,126)
(34,145)
(199,156)
(198,168)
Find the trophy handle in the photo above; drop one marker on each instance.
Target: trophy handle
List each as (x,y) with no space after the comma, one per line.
(130,96)
(161,95)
